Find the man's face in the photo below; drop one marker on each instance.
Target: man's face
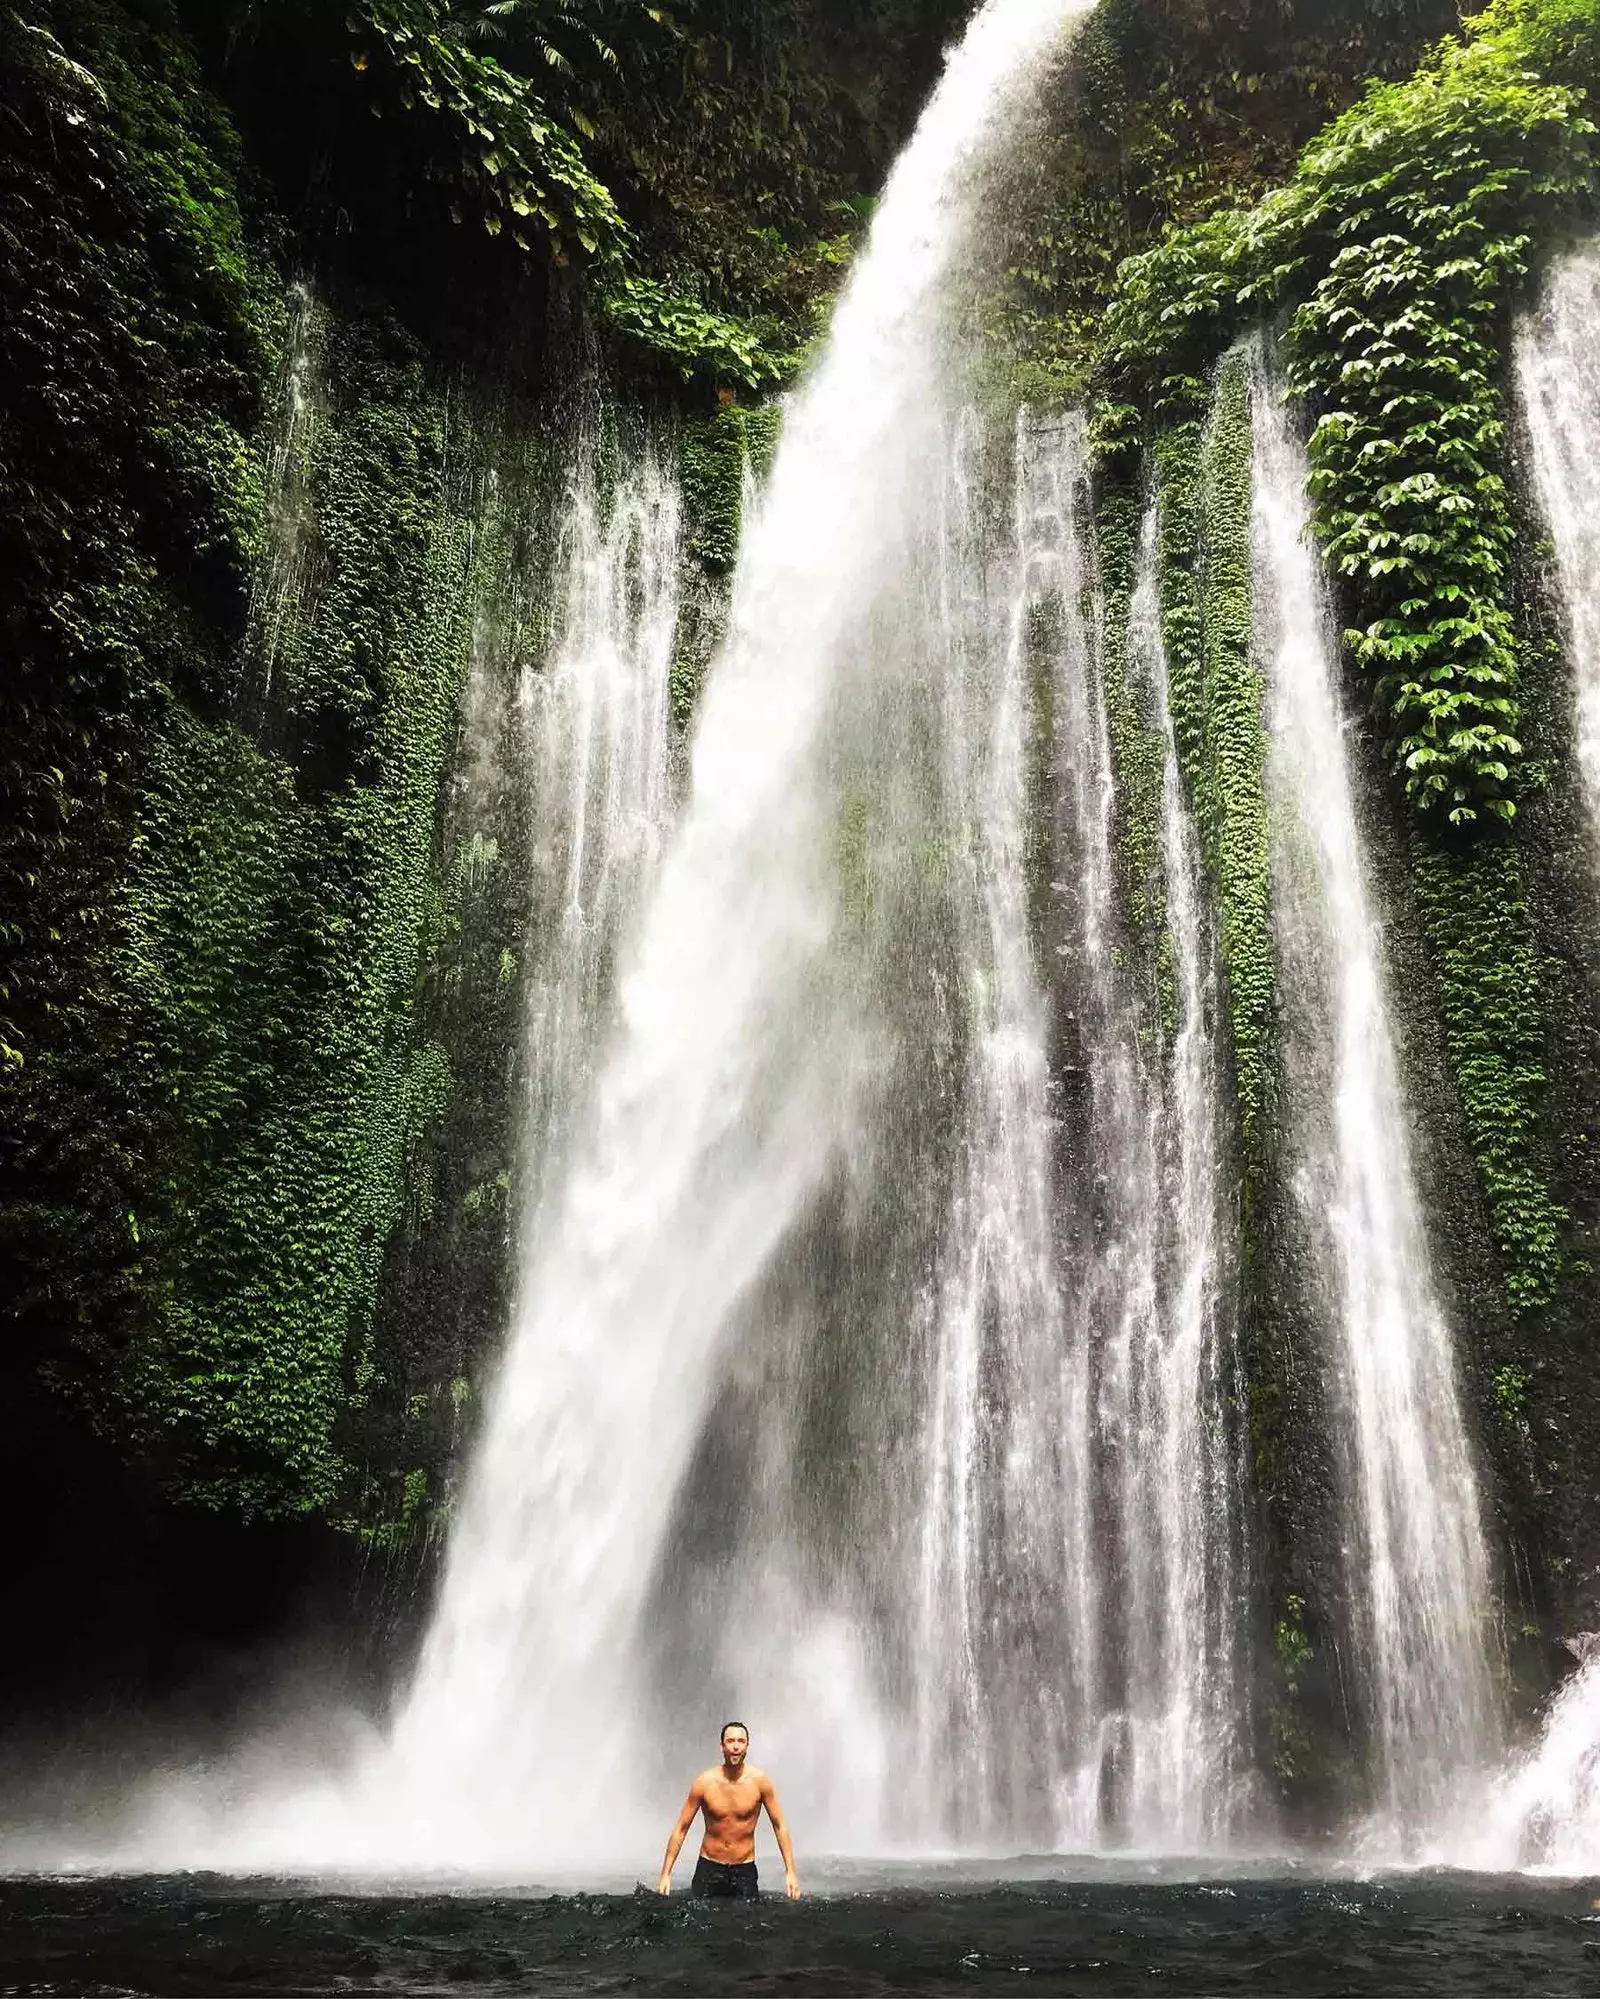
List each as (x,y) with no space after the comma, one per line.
(735,1747)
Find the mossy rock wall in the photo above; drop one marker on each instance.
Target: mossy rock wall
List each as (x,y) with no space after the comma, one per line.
(1389,268)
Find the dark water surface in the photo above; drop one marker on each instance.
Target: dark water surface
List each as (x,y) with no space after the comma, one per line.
(927,1931)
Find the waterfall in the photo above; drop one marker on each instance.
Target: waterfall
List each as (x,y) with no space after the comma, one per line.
(283,571)
(599,728)
(1080,1612)
(1558,374)
(1189,1707)
(1008,1670)
(596,719)
(744,1062)
(1416,1562)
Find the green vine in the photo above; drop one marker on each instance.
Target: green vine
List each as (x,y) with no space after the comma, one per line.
(284,894)
(1489,974)
(1405,231)
(524,167)
(1137,746)
(694,339)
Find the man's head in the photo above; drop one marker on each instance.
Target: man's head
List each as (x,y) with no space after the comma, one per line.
(735,1743)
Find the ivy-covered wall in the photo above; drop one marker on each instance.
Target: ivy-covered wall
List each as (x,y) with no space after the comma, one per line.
(1387,264)
(282,399)
(300,310)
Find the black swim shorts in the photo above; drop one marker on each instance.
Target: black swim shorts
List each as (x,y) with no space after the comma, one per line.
(716,1879)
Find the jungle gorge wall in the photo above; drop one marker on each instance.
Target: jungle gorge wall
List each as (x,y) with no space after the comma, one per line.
(284,443)
(262,904)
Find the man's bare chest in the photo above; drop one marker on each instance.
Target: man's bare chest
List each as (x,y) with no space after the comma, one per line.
(737,1802)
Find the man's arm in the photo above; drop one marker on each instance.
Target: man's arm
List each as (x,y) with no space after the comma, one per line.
(680,1832)
(780,1828)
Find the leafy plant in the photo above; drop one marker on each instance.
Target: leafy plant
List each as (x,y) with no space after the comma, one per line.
(515,153)
(689,335)
(1406,229)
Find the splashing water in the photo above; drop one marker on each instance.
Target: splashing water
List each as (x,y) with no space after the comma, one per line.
(1417,1566)
(1544,1813)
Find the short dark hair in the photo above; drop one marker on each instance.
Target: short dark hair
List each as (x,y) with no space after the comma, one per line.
(733,1724)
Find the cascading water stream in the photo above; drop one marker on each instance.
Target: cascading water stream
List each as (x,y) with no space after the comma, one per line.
(600,715)
(1190,1696)
(1544,1812)
(1416,1563)
(1558,374)
(739,1072)
(1008,1678)
(283,573)
(1081,1615)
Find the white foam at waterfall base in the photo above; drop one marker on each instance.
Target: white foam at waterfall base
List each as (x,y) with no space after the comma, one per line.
(1544,1813)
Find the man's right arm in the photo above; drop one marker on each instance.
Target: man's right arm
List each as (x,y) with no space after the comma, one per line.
(680,1832)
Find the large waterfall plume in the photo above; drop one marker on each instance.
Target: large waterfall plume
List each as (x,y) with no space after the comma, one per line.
(746,1064)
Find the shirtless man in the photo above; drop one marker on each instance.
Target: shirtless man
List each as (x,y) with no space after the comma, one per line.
(731,1797)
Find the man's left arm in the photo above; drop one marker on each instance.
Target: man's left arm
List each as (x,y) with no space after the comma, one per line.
(780,1829)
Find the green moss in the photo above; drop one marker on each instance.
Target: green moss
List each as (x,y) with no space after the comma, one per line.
(1489,975)
(1170,110)
(717,457)
(228,888)
(284,896)
(1292,1752)
(1404,233)
(1203,483)
(1138,747)
(1509,1389)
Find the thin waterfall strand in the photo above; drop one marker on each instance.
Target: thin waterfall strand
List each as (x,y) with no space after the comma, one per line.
(1010,1615)
(1417,1565)
(1187,1694)
(1558,374)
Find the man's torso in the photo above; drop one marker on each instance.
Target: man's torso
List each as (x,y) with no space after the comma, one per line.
(730,1808)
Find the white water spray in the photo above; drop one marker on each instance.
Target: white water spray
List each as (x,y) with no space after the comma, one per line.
(1417,1566)
(1544,1812)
